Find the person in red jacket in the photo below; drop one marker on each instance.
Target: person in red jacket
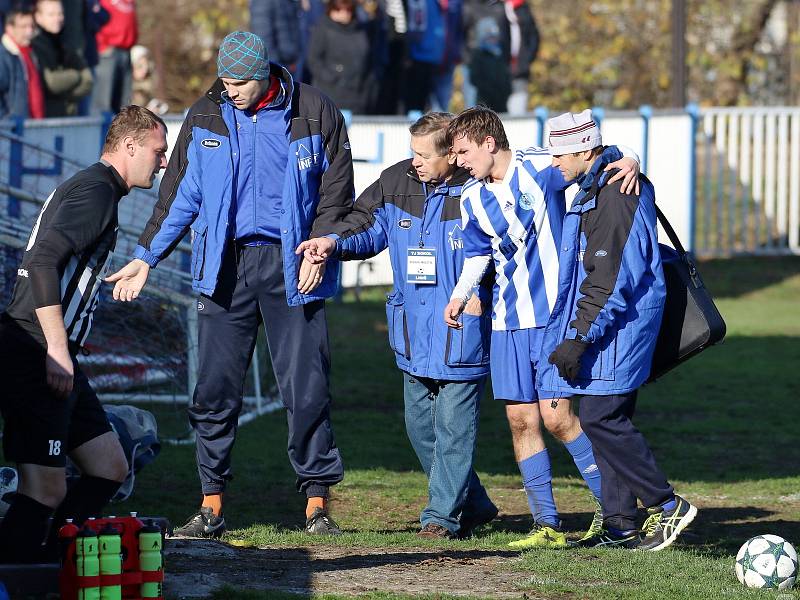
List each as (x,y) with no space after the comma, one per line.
(112,86)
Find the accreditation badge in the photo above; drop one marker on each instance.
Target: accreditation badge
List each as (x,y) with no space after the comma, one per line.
(421,266)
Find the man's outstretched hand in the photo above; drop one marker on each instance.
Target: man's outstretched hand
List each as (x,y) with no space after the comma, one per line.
(129,280)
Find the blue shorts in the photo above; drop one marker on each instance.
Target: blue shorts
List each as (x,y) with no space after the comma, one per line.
(513,360)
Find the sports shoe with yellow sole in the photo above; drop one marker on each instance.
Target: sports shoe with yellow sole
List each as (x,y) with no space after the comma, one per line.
(596,526)
(541,536)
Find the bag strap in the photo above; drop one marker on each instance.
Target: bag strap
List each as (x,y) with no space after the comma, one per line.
(673,237)
(676,243)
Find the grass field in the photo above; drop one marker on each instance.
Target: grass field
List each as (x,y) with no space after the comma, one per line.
(724,428)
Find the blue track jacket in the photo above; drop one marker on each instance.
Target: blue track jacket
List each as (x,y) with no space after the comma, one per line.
(610,288)
(400,213)
(199,185)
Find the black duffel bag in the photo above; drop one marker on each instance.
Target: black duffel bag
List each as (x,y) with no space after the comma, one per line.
(691,322)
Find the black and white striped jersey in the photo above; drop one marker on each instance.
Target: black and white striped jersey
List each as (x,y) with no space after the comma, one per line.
(69,252)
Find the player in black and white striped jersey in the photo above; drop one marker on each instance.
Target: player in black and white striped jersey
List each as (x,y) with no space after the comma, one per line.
(49,409)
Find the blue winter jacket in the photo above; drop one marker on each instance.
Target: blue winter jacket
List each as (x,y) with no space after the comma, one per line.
(199,185)
(13,82)
(610,288)
(400,213)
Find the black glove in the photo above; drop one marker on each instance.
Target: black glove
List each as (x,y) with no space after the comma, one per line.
(567,357)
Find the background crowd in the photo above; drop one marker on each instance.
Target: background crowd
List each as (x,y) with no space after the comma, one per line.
(62,58)
(80,57)
(393,56)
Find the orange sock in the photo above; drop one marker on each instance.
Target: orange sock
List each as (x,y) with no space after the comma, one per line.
(214,502)
(314,503)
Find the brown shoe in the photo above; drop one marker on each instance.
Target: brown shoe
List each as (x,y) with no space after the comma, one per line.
(434,530)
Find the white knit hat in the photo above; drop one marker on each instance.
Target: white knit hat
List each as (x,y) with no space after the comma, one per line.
(573,132)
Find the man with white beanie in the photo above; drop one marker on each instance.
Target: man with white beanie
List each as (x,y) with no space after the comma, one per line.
(512,213)
(602,333)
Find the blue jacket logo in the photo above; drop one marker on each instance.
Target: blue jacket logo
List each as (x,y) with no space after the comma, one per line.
(211,143)
(404,223)
(305,158)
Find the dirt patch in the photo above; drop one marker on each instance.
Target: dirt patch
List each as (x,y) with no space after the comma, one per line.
(195,568)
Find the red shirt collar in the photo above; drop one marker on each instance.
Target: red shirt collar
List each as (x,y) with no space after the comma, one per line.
(272,92)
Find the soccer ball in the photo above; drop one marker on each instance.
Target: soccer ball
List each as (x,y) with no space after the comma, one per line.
(767,561)
(8,486)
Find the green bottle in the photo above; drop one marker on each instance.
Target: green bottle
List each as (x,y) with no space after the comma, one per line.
(110,561)
(86,562)
(150,558)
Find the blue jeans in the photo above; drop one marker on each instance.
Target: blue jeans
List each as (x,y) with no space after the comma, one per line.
(442,425)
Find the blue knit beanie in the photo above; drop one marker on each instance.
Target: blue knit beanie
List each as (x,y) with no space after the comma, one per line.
(243,55)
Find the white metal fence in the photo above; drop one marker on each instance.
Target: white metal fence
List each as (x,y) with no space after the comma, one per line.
(748,181)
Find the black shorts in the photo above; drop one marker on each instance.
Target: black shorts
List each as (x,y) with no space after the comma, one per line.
(41,428)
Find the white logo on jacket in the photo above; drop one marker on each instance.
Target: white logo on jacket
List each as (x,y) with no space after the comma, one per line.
(455,239)
(305,158)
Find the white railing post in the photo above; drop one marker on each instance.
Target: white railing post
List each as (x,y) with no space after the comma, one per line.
(744,179)
(783,177)
(721,131)
(758,174)
(769,179)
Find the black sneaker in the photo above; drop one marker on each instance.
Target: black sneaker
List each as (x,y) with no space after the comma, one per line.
(434,531)
(470,523)
(203,524)
(662,527)
(319,523)
(605,539)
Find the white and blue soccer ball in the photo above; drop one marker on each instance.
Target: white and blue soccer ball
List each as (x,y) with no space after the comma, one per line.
(767,561)
(8,487)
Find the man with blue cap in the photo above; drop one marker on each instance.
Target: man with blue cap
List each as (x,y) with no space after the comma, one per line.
(261,164)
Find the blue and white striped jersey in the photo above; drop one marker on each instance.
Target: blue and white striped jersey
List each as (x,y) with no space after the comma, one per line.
(518,222)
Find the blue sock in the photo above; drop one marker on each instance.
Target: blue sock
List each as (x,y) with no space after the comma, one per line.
(619,533)
(581,450)
(537,480)
(669,505)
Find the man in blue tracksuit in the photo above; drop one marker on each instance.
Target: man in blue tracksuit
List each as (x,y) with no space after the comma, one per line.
(602,332)
(261,163)
(414,210)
